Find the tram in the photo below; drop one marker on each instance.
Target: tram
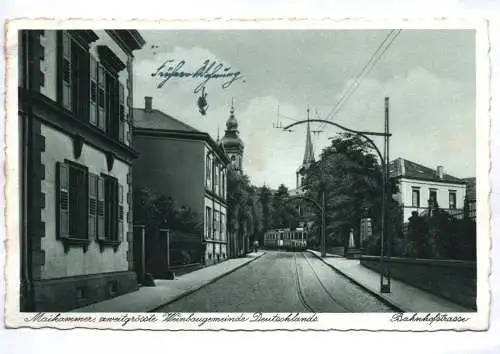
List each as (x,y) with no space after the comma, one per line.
(292,240)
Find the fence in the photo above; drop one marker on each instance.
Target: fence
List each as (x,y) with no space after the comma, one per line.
(171,250)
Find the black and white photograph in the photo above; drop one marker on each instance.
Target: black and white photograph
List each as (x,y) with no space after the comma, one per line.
(249,177)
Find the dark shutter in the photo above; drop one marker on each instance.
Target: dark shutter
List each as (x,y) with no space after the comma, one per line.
(63,199)
(120,213)
(59,64)
(92,205)
(101,217)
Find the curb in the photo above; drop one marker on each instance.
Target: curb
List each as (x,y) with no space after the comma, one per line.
(211,281)
(386,301)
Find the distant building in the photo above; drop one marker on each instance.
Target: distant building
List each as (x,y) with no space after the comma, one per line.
(232,143)
(180,162)
(233,146)
(419,186)
(306,211)
(75,100)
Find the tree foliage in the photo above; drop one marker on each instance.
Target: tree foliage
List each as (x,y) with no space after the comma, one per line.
(162,211)
(351,177)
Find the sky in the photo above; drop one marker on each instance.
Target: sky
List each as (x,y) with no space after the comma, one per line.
(428,75)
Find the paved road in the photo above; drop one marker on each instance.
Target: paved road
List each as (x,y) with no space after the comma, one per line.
(281,282)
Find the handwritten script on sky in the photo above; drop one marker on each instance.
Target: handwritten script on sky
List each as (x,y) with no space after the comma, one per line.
(207,71)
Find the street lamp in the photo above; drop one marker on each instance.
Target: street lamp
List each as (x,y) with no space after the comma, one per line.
(384,159)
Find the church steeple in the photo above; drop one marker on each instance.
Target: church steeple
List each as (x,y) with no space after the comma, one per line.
(231,142)
(309,152)
(308,156)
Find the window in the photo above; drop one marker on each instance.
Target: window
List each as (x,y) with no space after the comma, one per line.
(432,197)
(72,201)
(67,92)
(216,178)
(453,199)
(101,98)
(90,206)
(222,227)
(415,197)
(209,170)
(112,210)
(93,91)
(121,113)
(223,184)
(208,222)
(216,224)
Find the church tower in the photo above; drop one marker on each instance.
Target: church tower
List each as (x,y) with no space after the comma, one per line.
(232,143)
(308,157)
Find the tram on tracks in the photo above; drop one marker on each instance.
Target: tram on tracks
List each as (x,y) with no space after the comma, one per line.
(286,239)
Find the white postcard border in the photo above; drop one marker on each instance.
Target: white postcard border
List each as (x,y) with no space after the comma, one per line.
(475,321)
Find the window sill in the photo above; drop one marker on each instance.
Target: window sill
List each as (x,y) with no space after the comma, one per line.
(75,242)
(109,243)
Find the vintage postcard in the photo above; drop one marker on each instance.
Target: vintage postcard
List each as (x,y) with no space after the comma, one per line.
(248,175)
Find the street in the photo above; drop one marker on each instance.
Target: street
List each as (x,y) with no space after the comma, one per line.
(281,282)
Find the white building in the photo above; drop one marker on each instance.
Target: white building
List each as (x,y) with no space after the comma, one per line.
(75,100)
(418,185)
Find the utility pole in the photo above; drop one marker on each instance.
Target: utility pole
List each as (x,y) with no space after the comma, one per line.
(385,266)
(323,207)
(323,222)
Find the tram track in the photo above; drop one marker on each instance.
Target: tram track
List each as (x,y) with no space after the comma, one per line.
(299,287)
(300,290)
(323,286)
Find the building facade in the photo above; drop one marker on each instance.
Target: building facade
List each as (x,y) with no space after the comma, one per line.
(75,100)
(187,165)
(419,186)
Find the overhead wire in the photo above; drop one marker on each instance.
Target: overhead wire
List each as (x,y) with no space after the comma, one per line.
(367,68)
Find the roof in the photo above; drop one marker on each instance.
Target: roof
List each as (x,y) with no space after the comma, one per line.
(404,168)
(470,192)
(157,123)
(156,119)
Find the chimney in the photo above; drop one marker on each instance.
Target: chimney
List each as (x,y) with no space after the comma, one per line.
(402,166)
(148,103)
(440,172)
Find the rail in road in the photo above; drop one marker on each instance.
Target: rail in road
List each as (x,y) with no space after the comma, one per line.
(300,291)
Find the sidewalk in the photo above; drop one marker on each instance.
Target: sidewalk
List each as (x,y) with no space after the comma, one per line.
(166,291)
(403,296)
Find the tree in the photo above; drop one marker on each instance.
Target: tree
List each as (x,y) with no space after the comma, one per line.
(266,205)
(284,213)
(351,177)
(245,212)
(162,212)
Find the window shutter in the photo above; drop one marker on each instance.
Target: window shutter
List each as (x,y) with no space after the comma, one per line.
(63,200)
(121,112)
(120,213)
(92,205)
(93,91)
(100,208)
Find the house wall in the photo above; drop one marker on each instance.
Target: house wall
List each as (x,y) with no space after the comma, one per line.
(442,190)
(49,66)
(65,280)
(76,262)
(172,167)
(217,241)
